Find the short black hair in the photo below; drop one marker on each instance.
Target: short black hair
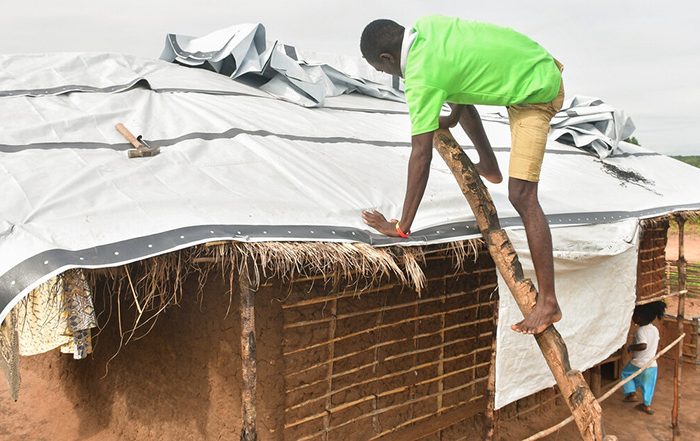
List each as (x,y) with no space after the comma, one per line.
(381,36)
(647,313)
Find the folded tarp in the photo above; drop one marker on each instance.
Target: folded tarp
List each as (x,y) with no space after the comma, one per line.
(242,52)
(590,124)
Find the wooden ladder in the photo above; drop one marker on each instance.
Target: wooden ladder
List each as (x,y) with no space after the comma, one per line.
(583,405)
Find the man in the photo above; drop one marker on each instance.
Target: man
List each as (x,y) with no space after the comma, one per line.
(464,63)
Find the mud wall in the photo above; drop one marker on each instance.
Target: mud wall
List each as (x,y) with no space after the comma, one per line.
(332,365)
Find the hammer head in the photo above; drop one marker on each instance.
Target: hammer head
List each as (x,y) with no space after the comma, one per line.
(143,152)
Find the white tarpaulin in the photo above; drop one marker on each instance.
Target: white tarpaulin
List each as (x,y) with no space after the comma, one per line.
(237,164)
(596,275)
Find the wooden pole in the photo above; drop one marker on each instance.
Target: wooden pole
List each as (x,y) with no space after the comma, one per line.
(596,380)
(583,405)
(491,426)
(248,359)
(678,359)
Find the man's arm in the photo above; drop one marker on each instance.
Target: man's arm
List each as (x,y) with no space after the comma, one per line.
(418,172)
(636,347)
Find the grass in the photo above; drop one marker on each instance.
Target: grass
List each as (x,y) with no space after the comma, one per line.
(692,277)
(692,160)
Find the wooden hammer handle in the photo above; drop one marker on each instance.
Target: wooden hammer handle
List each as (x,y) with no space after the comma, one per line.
(128,135)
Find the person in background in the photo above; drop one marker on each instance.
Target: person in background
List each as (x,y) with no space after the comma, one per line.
(643,349)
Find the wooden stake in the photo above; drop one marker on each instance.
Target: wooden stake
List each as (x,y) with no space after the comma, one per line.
(583,405)
(596,380)
(249,365)
(678,359)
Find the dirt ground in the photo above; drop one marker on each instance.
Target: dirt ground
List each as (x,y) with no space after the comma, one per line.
(691,244)
(622,419)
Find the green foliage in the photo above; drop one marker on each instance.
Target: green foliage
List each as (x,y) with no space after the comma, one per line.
(632,140)
(692,160)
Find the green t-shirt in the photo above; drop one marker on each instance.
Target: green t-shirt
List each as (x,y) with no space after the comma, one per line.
(468,62)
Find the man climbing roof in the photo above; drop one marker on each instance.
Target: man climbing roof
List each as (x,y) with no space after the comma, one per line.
(463,63)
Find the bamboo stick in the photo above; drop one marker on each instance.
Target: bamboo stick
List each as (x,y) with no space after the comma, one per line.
(541,434)
(248,359)
(398,389)
(578,397)
(679,318)
(354,403)
(329,371)
(349,315)
(348,293)
(661,297)
(305,385)
(473,404)
(376,426)
(377,346)
(377,328)
(490,428)
(326,299)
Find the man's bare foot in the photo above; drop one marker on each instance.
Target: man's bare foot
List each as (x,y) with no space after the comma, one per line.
(541,316)
(490,172)
(630,398)
(645,409)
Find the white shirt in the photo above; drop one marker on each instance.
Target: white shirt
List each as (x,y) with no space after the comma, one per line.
(409,36)
(650,335)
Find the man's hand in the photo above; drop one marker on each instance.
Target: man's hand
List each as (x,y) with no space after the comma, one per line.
(377,221)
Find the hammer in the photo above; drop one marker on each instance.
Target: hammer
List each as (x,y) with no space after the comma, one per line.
(142,149)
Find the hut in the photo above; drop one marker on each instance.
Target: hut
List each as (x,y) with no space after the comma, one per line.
(228,282)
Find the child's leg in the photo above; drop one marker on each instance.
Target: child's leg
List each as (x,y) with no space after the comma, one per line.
(631,387)
(648,384)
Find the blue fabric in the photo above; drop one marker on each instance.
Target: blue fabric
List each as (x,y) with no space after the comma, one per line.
(646,381)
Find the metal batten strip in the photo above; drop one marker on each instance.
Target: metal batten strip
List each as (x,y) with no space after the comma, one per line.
(25,274)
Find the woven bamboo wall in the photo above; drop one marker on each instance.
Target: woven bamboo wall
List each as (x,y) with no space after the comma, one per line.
(389,364)
(651,266)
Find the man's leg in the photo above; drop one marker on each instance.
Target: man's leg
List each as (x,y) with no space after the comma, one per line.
(523,196)
(470,121)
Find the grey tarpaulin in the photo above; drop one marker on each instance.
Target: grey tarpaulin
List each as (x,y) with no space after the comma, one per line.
(591,124)
(242,52)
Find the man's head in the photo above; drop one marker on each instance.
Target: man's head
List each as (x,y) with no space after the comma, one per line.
(381,45)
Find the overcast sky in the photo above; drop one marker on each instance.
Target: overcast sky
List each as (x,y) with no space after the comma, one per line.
(641,56)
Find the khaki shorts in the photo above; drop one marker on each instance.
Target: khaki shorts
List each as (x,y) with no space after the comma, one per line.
(529,127)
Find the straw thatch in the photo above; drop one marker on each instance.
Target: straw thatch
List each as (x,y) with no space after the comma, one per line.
(152,285)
